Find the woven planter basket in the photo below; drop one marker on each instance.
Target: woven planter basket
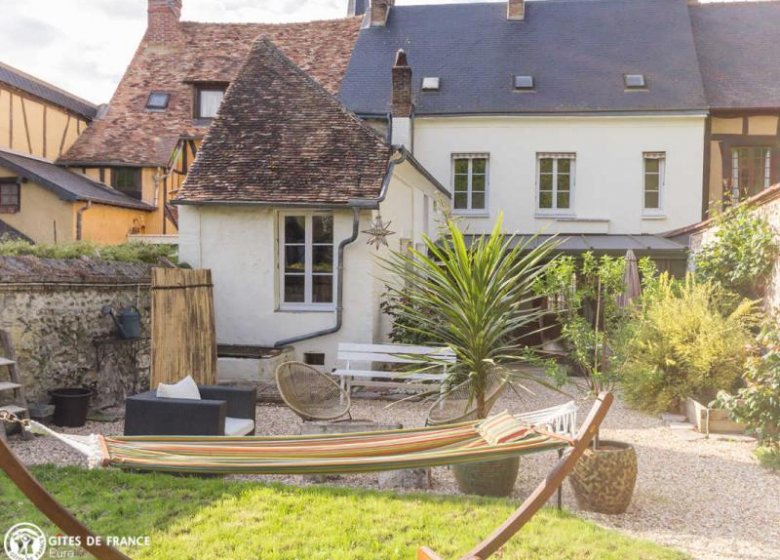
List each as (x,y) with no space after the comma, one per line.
(603,480)
(490,478)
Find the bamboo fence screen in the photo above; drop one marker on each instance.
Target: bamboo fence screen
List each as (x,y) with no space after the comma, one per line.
(184,340)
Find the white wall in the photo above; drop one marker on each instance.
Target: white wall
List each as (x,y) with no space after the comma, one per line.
(608,194)
(239,245)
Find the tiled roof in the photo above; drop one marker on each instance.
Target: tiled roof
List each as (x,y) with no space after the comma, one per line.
(9,232)
(576,50)
(65,184)
(128,134)
(38,88)
(737,44)
(281,138)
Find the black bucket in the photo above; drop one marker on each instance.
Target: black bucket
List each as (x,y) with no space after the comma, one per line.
(70,406)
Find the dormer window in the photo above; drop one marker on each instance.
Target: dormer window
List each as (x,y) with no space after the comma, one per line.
(208,98)
(524,83)
(158,101)
(430,83)
(635,81)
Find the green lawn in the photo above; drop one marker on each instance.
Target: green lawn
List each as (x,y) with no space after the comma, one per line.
(210,518)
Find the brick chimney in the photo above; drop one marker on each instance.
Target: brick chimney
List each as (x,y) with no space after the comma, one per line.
(401,102)
(379,11)
(164,16)
(402,86)
(515,10)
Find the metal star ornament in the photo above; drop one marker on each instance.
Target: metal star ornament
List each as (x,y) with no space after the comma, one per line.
(378,232)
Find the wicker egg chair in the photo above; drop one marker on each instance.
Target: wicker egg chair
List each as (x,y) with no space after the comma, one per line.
(311,394)
(453,406)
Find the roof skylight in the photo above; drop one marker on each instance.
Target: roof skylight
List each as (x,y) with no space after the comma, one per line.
(524,82)
(635,81)
(430,83)
(158,100)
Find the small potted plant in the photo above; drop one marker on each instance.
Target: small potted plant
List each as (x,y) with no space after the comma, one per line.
(474,299)
(592,301)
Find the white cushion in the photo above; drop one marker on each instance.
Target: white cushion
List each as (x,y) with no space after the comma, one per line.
(238,426)
(184,389)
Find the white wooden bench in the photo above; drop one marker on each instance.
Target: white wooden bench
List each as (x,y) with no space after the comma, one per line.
(360,365)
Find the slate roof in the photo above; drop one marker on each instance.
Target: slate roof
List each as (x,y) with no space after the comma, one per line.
(737,44)
(65,184)
(280,137)
(577,51)
(128,134)
(38,88)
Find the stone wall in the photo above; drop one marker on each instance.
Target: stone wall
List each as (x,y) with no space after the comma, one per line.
(52,310)
(766,205)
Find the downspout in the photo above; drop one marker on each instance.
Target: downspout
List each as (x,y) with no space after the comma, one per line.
(356,207)
(79,219)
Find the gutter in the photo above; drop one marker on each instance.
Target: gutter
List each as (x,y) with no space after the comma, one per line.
(356,205)
(80,218)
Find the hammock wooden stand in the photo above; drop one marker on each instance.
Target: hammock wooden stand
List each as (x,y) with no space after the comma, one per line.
(71,526)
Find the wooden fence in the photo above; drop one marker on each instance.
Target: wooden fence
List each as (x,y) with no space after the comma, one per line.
(183,336)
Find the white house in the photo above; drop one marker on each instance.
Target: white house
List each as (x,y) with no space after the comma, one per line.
(571,117)
(585,119)
(277,204)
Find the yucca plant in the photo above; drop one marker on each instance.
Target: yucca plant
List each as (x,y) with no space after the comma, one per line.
(474,298)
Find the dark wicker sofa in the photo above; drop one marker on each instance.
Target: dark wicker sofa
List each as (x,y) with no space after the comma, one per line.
(145,414)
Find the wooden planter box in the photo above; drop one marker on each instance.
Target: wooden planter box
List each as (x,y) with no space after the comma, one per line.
(711,420)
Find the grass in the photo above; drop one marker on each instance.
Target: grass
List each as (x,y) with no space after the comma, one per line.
(125,252)
(194,518)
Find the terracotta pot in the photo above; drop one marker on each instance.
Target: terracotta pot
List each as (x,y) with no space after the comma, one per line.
(490,478)
(603,480)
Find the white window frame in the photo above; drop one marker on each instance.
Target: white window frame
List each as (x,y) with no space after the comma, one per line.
(471,156)
(307,304)
(661,157)
(556,156)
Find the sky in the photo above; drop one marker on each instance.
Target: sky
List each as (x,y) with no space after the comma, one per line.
(84,46)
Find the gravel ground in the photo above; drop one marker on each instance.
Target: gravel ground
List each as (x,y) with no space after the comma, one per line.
(707,497)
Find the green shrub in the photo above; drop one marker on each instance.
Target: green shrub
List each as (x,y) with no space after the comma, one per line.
(742,255)
(689,340)
(126,252)
(758,405)
(769,456)
(582,294)
(402,330)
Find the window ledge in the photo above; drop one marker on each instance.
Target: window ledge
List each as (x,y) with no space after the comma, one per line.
(553,215)
(304,308)
(472,213)
(648,216)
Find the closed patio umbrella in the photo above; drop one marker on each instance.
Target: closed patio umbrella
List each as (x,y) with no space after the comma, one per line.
(632,288)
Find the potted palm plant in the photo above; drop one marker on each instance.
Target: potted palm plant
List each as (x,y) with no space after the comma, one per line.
(474,298)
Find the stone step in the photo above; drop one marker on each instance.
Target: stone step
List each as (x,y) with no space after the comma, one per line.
(669,417)
(6,362)
(681,426)
(9,386)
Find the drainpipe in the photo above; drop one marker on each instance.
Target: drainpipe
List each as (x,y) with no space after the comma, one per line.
(79,219)
(356,206)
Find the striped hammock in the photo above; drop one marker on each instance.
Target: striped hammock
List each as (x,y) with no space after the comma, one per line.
(498,437)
